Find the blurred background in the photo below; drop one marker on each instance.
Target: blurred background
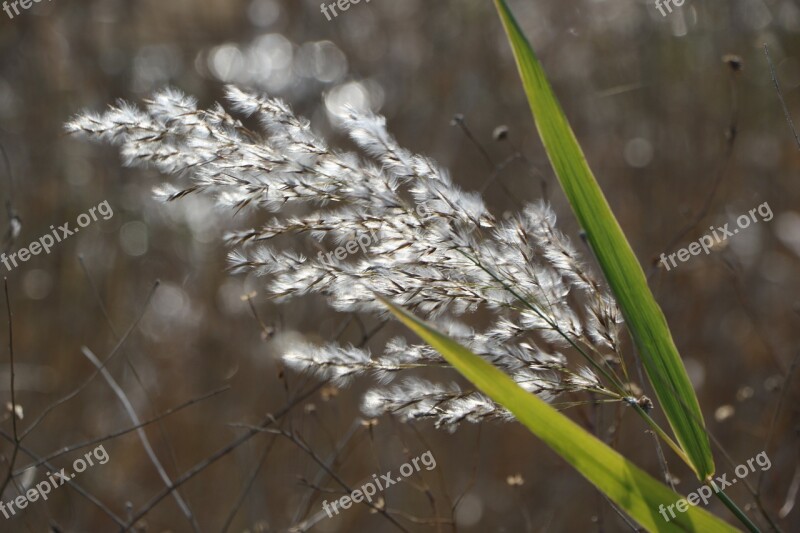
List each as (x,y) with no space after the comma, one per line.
(680,136)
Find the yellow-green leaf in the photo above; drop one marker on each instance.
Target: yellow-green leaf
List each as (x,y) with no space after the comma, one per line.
(632,489)
(643,316)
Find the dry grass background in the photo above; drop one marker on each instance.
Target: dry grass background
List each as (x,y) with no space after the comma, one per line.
(650,99)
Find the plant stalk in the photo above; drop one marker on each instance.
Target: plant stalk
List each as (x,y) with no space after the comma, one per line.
(730,504)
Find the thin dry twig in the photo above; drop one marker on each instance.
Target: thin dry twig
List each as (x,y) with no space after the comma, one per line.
(219,454)
(791,495)
(759,325)
(249,484)
(780,96)
(731,135)
(86,383)
(424,486)
(70,482)
(13,394)
(115,434)
(123,398)
(303,508)
(14,222)
(96,292)
(494,168)
(301,444)
(785,386)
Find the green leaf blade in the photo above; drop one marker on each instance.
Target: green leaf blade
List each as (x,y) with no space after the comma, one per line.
(625,276)
(632,489)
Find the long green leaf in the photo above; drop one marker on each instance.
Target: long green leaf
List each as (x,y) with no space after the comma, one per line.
(632,489)
(643,316)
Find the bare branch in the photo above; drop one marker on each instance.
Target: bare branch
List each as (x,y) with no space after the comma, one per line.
(123,398)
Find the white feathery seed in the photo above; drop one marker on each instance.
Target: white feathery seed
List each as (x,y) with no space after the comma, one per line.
(447,260)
